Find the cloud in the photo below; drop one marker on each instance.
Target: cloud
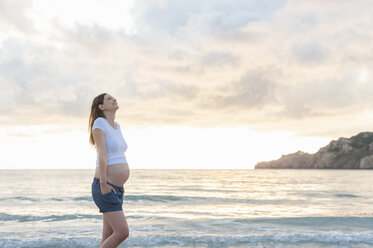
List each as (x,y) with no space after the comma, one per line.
(309,52)
(287,65)
(254,89)
(14,15)
(173,16)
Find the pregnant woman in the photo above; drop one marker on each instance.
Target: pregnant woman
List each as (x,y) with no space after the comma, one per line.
(112,169)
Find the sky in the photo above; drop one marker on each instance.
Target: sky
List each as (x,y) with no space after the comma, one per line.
(200,84)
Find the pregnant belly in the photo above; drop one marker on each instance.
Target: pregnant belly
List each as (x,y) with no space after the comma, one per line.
(117,174)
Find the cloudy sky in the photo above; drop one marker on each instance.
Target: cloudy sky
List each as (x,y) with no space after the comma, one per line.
(200,84)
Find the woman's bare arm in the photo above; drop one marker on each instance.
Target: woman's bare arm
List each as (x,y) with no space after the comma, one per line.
(99,138)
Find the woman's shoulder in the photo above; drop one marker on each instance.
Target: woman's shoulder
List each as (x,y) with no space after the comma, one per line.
(99,120)
(99,123)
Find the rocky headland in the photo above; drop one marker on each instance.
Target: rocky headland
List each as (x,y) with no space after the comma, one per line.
(345,153)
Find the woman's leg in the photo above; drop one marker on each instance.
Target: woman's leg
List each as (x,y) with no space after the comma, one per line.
(106,230)
(118,223)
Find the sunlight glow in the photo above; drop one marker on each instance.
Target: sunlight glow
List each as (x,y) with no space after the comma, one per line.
(152,148)
(363,75)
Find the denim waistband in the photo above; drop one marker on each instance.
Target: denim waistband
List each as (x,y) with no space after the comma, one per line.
(97,181)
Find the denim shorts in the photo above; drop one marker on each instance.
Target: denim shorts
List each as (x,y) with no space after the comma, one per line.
(107,202)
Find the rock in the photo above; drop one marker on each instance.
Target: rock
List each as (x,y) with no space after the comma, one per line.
(366,162)
(295,160)
(345,153)
(324,160)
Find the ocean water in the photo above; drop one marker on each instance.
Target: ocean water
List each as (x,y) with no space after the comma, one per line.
(192,208)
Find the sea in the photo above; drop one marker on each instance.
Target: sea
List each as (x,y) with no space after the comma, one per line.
(192,208)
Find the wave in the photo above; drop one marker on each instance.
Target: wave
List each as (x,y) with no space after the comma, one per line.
(303,222)
(283,238)
(161,199)
(351,221)
(198,199)
(346,195)
(54,218)
(47,218)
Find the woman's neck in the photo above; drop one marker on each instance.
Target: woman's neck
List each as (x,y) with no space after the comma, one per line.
(110,117)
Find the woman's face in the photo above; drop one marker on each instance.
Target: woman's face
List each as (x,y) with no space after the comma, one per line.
(110,103)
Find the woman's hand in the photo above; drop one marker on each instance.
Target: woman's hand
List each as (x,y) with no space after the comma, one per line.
(106,189)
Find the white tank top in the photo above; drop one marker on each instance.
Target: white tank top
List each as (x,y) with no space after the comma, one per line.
(115,143)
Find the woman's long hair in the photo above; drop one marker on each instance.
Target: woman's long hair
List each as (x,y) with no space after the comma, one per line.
(95,113)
